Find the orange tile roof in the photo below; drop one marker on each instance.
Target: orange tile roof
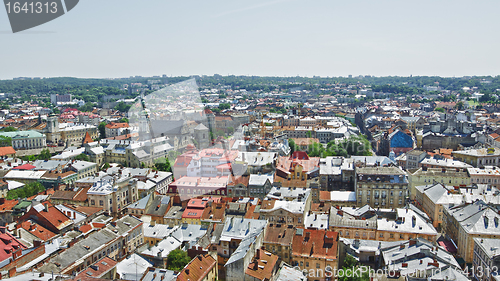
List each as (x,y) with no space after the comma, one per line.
(55,175)
(8,205)
(89,211)
(251,213)
(114,125)
(7,150)
(87,138)
(286,163)
(262,265)
(316,243)
(54,216)
(279,234)
(37,230)
(324,196)
(197,269)
(217,211)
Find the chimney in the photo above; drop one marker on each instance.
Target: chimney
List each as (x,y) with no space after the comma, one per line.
(152,223)
(187,271)
(199,257)
(46,207)
(37,243)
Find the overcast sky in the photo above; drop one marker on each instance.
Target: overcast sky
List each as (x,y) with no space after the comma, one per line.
(121,38)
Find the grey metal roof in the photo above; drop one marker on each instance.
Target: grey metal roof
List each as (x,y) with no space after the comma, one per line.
(158,274)
(189,233)
(133,267)
(158,231)
(80,250)
(175,212)
(476,218)
(417,255)
(288,273)
(163,248)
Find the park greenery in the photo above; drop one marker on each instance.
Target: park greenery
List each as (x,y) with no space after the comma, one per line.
(353,146)
(28,190)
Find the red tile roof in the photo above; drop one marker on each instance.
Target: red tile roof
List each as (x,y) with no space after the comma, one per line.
(197,269)
(24,167)
(191,213)
(99,268)
(8,244)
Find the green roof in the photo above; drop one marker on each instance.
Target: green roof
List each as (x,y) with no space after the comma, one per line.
(22,205)
(22,134)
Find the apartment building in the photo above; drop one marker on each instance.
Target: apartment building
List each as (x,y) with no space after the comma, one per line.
(381,187)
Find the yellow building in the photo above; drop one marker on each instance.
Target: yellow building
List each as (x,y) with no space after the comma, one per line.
(429,176)
(296,170)
(432,198)
(465,222)
(381,187)
(479,157)
(315,250)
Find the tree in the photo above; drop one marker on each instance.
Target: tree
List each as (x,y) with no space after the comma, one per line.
(123,120)
(105,166)
(5,141)
(102,130)
(309,134)
(82,157)
(163,166)
(9,129)
(230,130)
(350,266)
(224,106)
(28,190)
(439,109)
(86,107)
(177,260)
(459,105)
(45,154)
(292,145)
(122,107)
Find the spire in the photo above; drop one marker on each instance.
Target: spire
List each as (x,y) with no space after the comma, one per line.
(87,138)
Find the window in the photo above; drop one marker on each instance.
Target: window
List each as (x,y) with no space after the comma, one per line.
(317,265)
(101,203)
(92,202)
(307,264)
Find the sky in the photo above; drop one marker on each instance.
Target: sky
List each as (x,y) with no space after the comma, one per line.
(122,38)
